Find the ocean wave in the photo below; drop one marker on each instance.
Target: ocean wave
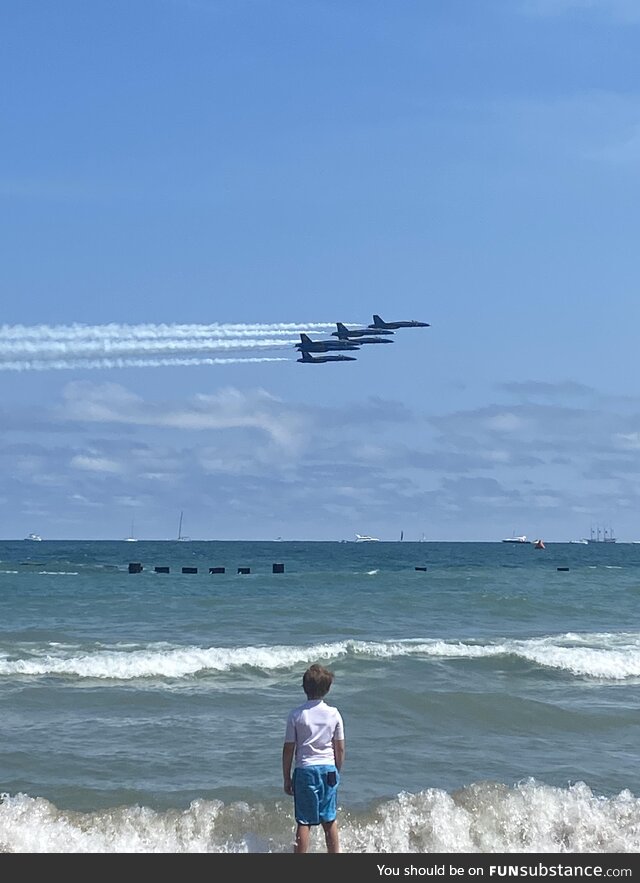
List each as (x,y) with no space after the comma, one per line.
(604,656)
(480,818)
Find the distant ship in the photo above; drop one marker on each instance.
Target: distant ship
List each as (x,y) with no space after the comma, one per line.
(363,538)
(601,536)
(131,538)
(515,539)
(34,538)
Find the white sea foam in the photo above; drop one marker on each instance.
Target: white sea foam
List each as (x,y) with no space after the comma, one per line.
(529,817)
(598,655)
(58,572)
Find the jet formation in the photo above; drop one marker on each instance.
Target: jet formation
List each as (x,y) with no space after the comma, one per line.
(351,339)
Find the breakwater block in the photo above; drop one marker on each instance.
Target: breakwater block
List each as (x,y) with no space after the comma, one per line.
(135,567)
(562,568)
(244,570)
(161,570)
(421,568)
(216,570)
(277,568)
(189,569)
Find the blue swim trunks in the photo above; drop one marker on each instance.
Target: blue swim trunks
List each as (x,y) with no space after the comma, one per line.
(314,798)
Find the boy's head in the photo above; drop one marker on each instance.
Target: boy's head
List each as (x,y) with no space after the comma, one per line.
(316,681)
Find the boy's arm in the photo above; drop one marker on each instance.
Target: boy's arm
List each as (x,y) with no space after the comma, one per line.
(287,759)
(339,752)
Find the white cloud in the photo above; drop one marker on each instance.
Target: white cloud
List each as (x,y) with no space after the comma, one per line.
(505,422)
(95,464)
(629,441)
(225,410)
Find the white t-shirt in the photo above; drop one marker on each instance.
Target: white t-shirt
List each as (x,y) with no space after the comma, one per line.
(313,726)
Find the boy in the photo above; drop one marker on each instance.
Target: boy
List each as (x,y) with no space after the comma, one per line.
(314,738)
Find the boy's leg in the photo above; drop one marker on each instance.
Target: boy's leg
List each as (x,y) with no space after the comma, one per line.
(331,836)
(302,838)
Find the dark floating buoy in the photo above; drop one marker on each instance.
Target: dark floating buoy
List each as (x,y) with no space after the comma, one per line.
(562,568)
(135,567)
(189,569)
(216,570)
(161,570)
(421,568)
(244,570)
(277,568)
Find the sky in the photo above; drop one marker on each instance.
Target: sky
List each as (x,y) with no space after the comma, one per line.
(186,185)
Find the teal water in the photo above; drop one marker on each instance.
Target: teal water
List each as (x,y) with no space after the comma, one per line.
(490,700)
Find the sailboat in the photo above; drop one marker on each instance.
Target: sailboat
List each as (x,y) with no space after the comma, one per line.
(604,536)
(181,538)
(131,538)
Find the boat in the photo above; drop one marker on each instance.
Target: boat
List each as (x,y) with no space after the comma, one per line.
(363,538)
(580,542)
(131,538)
(181,538)
(601,536)
(515,539)
(34,538)
(538,544)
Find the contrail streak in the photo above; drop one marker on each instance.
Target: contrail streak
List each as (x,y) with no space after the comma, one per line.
(67,364)
(60,347)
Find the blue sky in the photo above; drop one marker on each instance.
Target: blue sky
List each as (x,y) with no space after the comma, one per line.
(171,168)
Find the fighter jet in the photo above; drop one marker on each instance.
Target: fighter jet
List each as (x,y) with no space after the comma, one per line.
(360,340)
(315,360)
(379,324)
(345,333)
(324,346)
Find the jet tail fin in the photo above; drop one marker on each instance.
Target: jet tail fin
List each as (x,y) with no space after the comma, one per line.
(377,321)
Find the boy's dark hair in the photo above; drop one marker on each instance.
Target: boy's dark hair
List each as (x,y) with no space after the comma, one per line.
(316,681)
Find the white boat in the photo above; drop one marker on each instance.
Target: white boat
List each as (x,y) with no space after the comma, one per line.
(514,539)
(34,538)
(363,538)
(131,538)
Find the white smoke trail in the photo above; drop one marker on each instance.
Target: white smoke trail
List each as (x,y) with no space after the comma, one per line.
(70,364)
(154,332)
(59,347)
